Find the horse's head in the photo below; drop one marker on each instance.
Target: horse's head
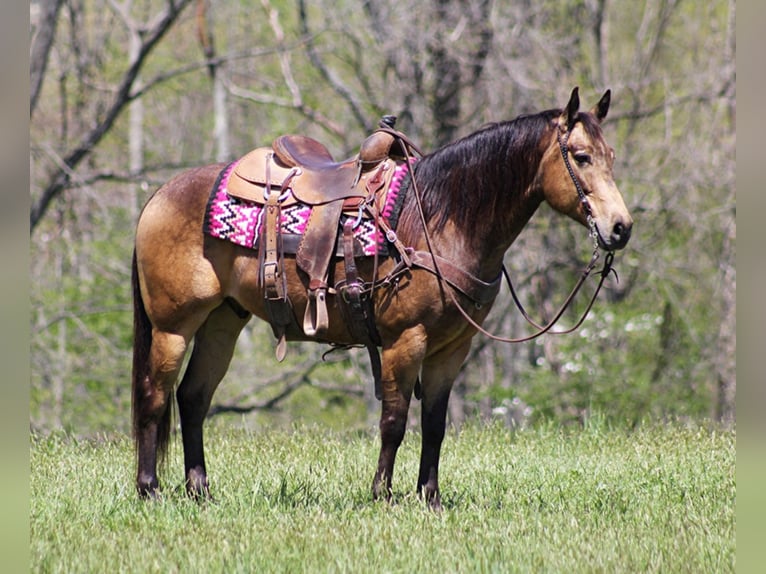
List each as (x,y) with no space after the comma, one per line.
(576,174)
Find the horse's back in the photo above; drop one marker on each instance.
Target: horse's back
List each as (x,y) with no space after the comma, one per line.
(183,197)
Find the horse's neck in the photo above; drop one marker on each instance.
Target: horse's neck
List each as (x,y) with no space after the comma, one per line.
(481,250)
(480,246)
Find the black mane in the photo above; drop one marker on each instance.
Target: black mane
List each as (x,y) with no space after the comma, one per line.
(469,179)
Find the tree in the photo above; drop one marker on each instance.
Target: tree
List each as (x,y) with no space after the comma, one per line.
(150,33)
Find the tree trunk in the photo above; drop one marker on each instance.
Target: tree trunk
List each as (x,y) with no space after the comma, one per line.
(727,335)
(135,132)
(205,26)
(221,115)
(42,40)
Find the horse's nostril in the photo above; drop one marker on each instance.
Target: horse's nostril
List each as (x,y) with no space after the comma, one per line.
(621,233)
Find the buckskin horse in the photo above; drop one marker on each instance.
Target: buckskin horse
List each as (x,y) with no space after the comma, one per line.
(420,302)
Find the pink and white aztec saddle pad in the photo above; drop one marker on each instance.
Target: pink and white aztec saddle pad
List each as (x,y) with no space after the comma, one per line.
(240,221)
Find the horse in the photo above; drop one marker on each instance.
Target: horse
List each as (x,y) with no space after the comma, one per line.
(467,203)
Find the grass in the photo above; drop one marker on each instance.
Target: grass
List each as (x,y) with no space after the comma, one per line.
(659,499)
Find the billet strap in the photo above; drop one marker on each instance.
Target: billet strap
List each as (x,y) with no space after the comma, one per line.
(354,306)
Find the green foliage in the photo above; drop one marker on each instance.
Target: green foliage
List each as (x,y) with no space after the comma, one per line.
(657,499)
(626,372)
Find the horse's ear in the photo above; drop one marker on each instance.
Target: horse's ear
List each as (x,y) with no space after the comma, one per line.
(602,107)
(568,115)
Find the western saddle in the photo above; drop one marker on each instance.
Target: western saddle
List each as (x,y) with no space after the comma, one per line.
(298,169)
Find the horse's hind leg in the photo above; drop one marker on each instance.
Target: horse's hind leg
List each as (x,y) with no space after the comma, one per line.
(214,345)
(151,407)
(438,375)
(400,363)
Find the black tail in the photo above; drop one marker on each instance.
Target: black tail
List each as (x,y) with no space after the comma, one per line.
(142,344)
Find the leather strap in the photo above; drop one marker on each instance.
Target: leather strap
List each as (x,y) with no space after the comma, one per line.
(314,253)
(289,243)
(277,304)
(480,292)
(270,240)
(356,308)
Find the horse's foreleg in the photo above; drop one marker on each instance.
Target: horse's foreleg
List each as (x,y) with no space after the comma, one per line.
(438,375)
(152,408)
(434,423)
(393,424)
(400,363)
(214,345)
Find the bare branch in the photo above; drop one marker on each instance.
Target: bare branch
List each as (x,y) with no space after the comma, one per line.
(665,104)
(314,115)
(340,88)
(59,179)
(295,379)
(77,317)
(194,67)
(284,60)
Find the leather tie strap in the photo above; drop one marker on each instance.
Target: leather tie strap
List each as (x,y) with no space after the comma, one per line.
(274,282)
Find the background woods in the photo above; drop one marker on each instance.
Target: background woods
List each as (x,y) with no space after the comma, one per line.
(125,94)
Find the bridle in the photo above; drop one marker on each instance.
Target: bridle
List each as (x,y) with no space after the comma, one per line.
(563,146)
(541,329)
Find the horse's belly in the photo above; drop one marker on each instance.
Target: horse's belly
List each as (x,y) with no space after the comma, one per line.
(247,289)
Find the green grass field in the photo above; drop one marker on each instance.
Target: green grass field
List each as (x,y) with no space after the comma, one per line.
(658,499)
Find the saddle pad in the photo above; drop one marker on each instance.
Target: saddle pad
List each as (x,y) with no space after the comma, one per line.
(240,221)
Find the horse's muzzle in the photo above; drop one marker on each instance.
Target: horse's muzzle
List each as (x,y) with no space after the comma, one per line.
(618,237)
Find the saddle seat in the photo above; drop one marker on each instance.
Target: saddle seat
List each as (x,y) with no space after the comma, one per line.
(312,175)
(303,151)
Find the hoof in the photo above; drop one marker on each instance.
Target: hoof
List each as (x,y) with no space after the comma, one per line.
(148,491)
(197,486)
(382,492)
(147,485)
(432,498)
(435,504)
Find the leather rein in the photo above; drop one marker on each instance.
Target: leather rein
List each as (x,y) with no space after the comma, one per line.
(461,280)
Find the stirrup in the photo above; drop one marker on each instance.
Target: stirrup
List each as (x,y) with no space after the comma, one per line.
(316,320)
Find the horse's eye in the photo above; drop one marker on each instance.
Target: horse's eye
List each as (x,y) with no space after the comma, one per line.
(582,158)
